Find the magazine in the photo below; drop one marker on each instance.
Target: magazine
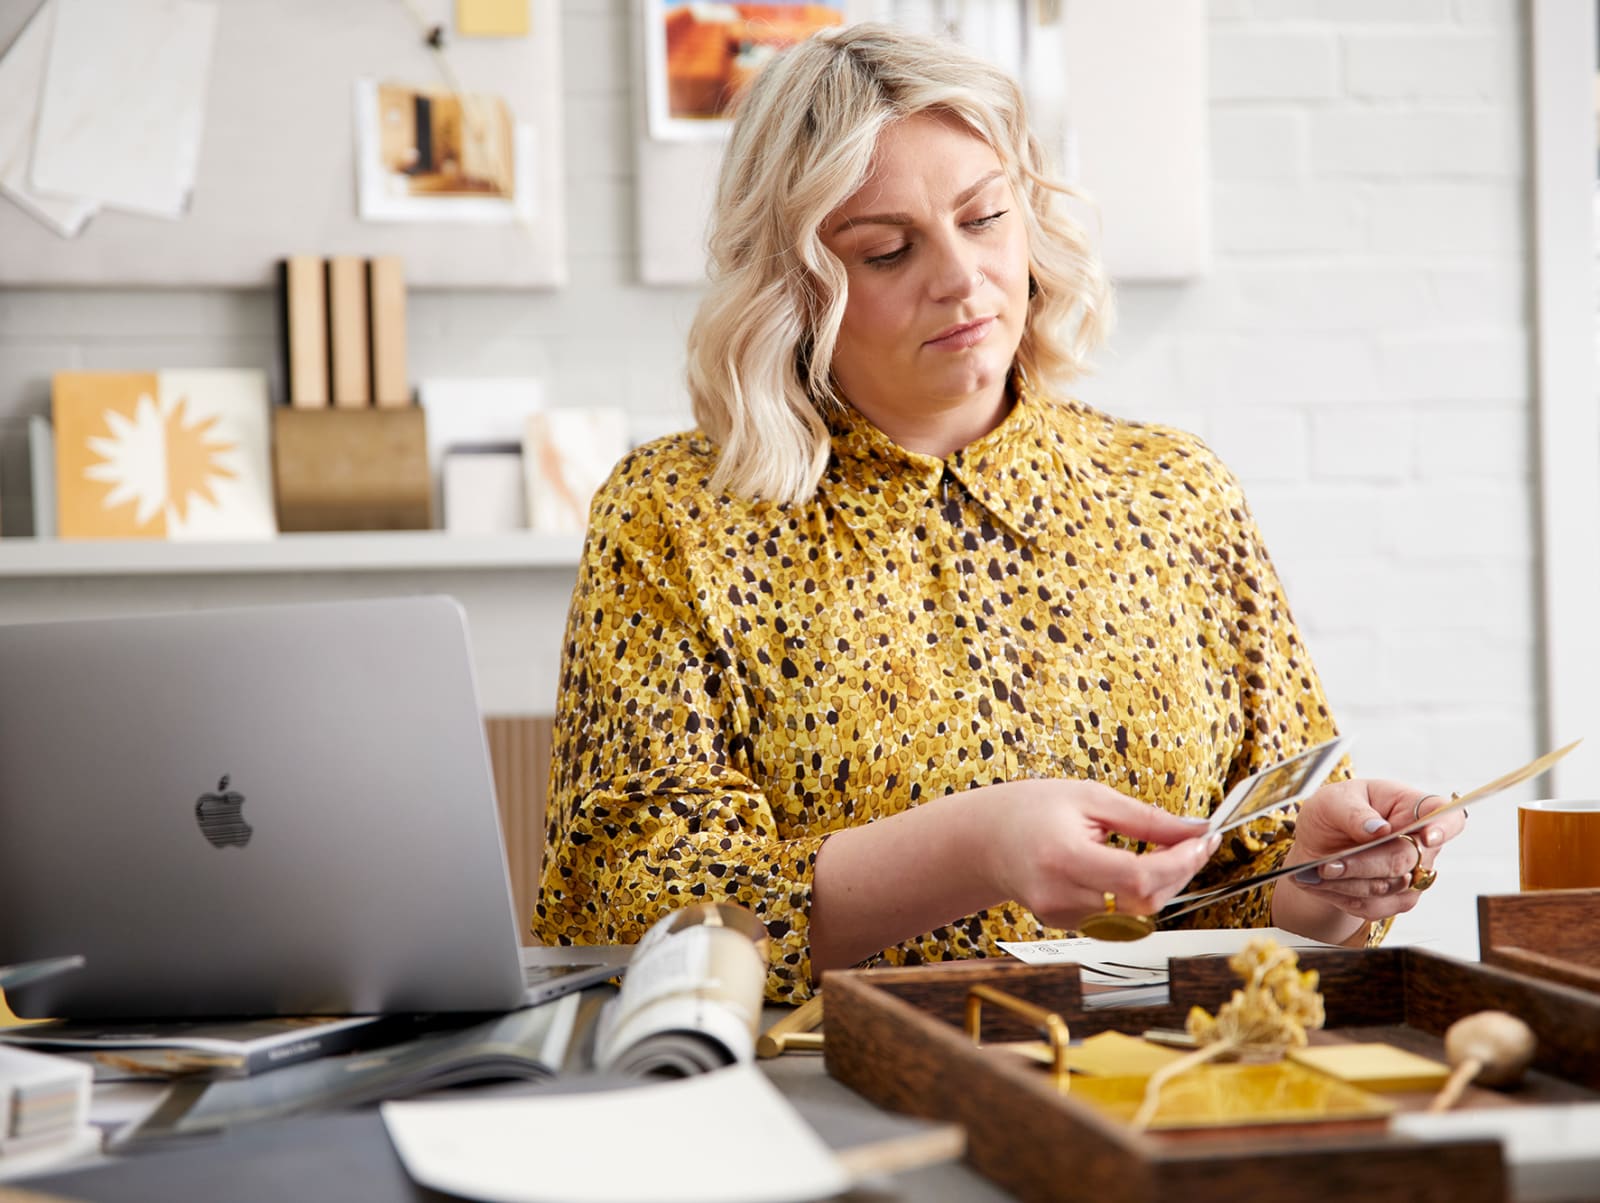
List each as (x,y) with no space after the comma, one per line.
(690,1003)
(218,1049)
(528,1044)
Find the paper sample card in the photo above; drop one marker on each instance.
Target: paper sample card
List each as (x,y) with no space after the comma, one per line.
(488,413)
(21,80)
(42,467)
(492,18)
(484,493)
(168,455)
(1277,786)
(567,455)
(1374,1066)
(123,103)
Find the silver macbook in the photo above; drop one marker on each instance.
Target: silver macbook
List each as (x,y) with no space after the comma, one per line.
(281,810)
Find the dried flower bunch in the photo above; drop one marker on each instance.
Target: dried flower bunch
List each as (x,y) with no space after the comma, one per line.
(1278,1005)
(1271,1014)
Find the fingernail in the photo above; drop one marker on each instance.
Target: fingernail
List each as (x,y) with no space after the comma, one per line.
(1308,877)
(1433,837)
(1334,868)
(1372,825)
(1213,844)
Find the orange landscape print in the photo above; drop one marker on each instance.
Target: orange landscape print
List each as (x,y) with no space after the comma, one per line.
(713,51)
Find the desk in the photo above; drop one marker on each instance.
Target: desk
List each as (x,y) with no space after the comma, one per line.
(804,1081)
(347,1156)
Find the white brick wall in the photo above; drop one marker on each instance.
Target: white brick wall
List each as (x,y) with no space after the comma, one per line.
(1359,353)
(1360,356)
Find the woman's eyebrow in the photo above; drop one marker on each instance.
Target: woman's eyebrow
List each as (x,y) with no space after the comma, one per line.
(905,219)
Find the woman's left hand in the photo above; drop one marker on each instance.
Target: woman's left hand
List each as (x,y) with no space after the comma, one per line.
(1368,885)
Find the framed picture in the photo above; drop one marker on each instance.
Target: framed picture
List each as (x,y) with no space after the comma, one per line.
(162,455)
(700,56)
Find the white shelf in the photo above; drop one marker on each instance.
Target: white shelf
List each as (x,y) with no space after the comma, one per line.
(354,551)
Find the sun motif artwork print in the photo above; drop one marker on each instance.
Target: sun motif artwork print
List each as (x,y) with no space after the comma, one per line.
(162,455)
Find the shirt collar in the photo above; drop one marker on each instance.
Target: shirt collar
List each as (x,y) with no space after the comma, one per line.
(1011,471)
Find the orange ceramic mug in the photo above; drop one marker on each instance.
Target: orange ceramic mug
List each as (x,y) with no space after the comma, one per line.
(1559,843)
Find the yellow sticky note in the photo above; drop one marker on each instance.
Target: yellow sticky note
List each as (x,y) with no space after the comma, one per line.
(1373,1066)
(1107,1054)
(492,18)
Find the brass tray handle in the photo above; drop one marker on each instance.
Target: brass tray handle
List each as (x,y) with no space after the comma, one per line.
(1051,1025)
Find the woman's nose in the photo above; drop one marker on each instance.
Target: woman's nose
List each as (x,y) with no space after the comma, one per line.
(956,274)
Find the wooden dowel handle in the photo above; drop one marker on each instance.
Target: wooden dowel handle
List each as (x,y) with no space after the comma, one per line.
(1451,1090)
(878,1158)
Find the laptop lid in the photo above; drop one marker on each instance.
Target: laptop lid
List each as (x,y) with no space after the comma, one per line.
(265,811)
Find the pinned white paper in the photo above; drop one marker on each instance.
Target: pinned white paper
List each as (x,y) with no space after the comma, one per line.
(21,78)
(123,103)
(725,1136)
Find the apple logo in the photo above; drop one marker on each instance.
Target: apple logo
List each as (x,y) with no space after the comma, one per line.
(220,820)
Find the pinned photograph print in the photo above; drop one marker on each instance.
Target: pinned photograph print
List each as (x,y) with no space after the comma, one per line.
(1277,786)
(427,154)
(700,56)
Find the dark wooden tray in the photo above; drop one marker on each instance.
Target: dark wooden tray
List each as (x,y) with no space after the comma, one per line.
(897,1037)
(1553,934)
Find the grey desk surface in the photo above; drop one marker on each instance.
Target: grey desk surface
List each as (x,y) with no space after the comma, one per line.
(346,1156)
(825,1102)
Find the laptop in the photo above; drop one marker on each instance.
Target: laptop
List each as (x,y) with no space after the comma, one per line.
(281,810)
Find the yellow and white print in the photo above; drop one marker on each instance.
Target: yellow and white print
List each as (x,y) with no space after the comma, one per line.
(162,455)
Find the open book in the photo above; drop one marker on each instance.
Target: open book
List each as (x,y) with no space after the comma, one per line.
(690,1002)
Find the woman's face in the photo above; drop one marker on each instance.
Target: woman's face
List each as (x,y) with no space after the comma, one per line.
(936,255)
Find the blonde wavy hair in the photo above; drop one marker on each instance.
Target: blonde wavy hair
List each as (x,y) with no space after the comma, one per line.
(802,143)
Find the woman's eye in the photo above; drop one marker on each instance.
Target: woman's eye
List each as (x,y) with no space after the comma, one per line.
(888,258)
(983,223)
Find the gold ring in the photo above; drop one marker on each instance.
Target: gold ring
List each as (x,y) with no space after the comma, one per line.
(1421,878)
(1112,924)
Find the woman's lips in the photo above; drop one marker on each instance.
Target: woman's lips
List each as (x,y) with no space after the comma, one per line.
(958,338)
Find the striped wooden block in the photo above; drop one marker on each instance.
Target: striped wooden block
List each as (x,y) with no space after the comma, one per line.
(519,750)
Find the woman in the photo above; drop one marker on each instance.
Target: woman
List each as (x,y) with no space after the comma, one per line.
(901,650)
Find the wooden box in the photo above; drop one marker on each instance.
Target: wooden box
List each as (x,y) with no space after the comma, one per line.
(897,1037)
(351,469)
(1553,934)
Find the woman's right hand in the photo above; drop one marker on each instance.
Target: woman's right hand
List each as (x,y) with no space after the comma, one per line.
(1049,849)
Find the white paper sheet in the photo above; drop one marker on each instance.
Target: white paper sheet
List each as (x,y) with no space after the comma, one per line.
(123,103)
(21,78)
(723,1136)
(1135,972)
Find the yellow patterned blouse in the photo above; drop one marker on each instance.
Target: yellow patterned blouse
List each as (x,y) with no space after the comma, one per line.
(1069,596)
